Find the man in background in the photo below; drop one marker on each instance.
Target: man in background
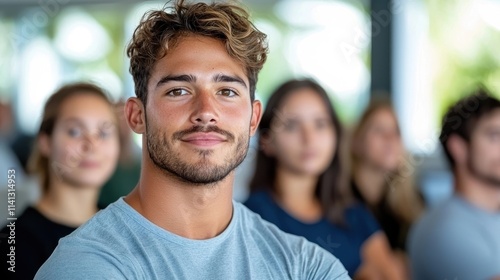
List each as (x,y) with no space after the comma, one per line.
(460,239)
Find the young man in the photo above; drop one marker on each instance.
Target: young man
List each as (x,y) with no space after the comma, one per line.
(460,239)
(195,70)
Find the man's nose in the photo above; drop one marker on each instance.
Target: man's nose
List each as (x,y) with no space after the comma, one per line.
(205,111)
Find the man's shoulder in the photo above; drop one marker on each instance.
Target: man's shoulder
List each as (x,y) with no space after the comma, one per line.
(252,221)
(296,250)
(444,227)
(99,248)
(450,240)
(109,227)
(450,216)
(262,231)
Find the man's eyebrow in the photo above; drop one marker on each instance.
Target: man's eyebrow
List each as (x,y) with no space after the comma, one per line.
(190,78)
(492,129)
(177,78)
(227,78)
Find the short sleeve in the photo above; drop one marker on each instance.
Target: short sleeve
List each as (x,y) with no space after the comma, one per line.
(317,263)
(85,262)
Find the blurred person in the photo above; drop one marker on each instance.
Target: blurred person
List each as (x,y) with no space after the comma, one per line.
(75,153)
(22,146)
(383,176)
(128,169)
(26,188)
(460,238)
(16,141)
(6,122)
(195,68)
(298,182)
(7,135)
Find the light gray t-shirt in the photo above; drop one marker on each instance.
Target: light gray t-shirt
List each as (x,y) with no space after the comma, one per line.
(456,240)
(119,243)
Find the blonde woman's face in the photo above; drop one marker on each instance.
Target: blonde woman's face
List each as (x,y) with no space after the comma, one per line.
(381,145)
(302,136)
(84,146)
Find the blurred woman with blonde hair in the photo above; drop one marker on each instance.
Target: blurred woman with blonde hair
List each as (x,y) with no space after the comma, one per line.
(383,174)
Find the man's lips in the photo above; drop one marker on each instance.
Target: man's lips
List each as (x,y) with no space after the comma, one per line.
(203,138)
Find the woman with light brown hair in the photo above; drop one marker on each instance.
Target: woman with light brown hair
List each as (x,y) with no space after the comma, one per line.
(382,174)
(75,153)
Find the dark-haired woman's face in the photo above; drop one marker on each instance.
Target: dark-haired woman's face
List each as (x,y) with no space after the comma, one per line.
(302,136)
(84,148)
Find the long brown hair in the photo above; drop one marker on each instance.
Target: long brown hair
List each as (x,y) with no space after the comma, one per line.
(401,194)
(331,188)
(38,163)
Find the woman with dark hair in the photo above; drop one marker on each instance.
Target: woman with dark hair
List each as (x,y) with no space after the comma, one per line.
(299,186)
(75,153)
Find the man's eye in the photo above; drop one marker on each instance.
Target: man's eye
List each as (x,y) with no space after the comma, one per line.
(227,92)
(177,92)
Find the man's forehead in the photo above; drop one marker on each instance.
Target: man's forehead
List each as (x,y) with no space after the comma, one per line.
(490,120)
(493,116)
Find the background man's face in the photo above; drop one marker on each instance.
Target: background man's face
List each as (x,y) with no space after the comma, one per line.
(484,149)
(199,113)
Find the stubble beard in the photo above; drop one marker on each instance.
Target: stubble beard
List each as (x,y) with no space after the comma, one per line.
(203,172)
(491,180)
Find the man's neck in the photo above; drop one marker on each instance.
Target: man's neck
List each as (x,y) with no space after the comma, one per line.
(191,211)
(478,193)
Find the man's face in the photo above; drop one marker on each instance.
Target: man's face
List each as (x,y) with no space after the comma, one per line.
(199,116)
(484,149)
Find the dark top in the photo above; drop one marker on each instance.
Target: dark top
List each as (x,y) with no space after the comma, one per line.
(395,229)
(121,183)
(36,237)
(344,242)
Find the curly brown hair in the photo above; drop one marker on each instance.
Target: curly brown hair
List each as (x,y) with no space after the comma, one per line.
(160,30)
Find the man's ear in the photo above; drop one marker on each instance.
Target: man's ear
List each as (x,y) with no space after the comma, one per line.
(44,144)
(458,148)
(135,115)
(256,116)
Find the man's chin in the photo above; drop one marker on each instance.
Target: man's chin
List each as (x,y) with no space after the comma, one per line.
(202,179)
(492,181)
(199,173)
